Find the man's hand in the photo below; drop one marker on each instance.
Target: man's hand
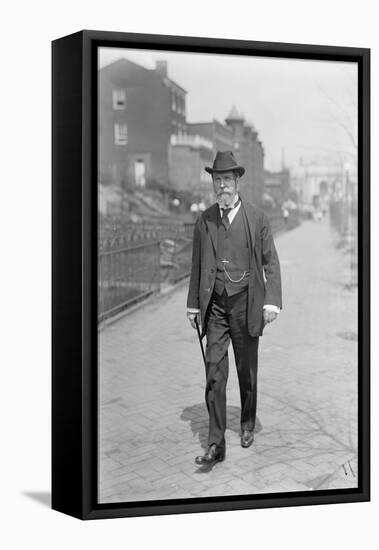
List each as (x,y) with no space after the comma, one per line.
(269,316)
(192,317)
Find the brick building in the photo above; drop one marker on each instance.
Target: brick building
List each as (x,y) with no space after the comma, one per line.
(239,136)
(188,156)
(144,135)
(249,152)
(139,110)
(219,134)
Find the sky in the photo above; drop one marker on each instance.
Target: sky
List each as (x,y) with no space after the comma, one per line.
(302,109)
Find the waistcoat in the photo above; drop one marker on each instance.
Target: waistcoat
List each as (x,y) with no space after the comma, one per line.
(233,256)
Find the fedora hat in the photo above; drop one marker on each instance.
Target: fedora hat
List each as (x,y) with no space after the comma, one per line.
(225,162)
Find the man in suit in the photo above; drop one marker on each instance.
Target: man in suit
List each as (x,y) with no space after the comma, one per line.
(234,291)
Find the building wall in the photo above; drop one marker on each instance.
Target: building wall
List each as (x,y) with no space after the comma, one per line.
(150,121)
(235,135)
(187,169)
(249,153)
(218,133)
(155,111)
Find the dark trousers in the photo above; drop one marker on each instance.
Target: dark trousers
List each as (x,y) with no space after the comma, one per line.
(227,320)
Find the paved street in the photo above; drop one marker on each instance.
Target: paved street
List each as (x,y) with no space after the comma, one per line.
(152,415)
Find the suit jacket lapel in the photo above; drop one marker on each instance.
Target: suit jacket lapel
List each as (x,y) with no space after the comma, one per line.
(250,221)
(211,221)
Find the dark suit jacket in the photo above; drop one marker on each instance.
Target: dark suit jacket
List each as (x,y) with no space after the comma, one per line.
(263,258)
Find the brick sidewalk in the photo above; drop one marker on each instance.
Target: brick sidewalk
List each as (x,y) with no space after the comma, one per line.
(152,415)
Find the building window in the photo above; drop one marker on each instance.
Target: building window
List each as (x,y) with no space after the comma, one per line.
(119,99)
(120,134)
(173,100)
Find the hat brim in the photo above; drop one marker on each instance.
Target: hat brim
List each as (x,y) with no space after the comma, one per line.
(239,169)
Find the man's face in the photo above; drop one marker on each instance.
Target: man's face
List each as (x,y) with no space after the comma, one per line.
(225,185)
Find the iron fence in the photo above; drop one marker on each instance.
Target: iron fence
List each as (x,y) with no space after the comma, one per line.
(175,259)
(139,259)
(126,274)
(136,231)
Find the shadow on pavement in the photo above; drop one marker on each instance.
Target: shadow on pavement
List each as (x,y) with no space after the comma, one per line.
(197,416)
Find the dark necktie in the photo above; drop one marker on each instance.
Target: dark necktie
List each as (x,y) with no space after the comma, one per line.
(225,219)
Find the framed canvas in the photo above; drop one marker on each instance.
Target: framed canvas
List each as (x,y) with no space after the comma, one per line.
(145,130)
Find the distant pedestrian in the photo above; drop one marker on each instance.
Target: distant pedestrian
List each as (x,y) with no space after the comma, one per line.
(234,290)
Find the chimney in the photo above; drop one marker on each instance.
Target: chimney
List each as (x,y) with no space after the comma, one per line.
(161,68)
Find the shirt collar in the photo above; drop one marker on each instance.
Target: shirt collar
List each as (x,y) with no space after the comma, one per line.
(234,205)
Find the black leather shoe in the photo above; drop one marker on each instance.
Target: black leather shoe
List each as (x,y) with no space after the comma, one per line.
(212,456)
(247,438)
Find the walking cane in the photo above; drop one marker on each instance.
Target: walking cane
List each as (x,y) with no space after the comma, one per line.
(201,343)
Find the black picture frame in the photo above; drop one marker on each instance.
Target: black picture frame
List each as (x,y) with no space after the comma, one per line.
(74,332)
